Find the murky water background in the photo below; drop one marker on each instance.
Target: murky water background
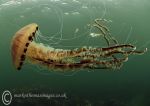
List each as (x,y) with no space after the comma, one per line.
(128,22)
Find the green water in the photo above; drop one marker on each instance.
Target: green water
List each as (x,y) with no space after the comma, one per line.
(129,86)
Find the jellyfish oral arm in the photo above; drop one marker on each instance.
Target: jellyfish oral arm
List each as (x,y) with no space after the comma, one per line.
(87,57)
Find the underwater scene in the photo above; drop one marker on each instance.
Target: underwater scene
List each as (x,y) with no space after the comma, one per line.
(74,53)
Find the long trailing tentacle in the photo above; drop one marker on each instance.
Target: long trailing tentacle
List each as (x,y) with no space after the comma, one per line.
(105,31)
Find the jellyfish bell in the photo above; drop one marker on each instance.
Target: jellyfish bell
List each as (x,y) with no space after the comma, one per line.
(20,42)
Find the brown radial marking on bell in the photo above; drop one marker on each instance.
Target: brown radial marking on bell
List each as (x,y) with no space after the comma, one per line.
(37,28)
(30,38)
(22,57)
(33,34)
(25,50)
(19,68)
(21,63)
(27,44)
(20,44)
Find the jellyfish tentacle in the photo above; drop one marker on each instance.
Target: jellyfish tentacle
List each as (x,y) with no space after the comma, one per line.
(98,22)
(105,31)
(113,39)
(135,52)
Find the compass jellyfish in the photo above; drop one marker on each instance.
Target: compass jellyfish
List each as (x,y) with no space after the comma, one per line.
(24,48)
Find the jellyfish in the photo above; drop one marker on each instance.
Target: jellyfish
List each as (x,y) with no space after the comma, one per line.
(25,48)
